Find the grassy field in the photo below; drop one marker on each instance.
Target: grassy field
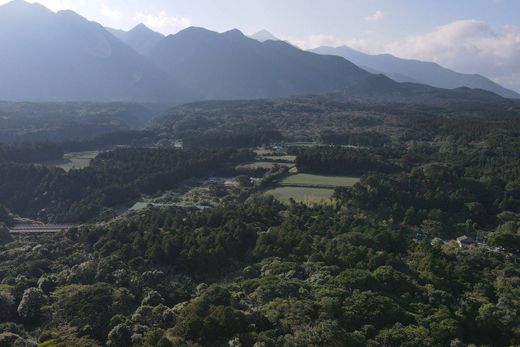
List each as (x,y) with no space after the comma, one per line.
(308,180)
(262,165)
(74,161)
(299,194)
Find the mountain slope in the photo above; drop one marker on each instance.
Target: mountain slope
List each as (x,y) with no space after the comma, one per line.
(49,56)
(405,70)
(141,38)
(233,66)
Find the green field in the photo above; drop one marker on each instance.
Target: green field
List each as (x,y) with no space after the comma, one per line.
(262,165)
(308,180)
(74,161)
(299,194)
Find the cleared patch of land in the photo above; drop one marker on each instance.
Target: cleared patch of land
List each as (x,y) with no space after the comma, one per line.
(299,194)
(74,161)
(309,180)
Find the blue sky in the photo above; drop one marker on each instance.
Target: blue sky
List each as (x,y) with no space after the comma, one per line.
(473,36)
(298,18)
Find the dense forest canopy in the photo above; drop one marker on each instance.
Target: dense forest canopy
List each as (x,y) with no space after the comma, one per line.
(381,263)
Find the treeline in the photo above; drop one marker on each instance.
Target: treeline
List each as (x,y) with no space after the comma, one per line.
(115,177)
(336,160)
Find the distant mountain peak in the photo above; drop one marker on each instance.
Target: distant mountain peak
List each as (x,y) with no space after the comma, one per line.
(233,33)
(141,38)
(22,5)
(193,30)
(264,35)
(142,28)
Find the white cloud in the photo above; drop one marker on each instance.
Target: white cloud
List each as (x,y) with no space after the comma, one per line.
(113,15)
(376,17)
(163,22)
(362,44)
(468,46)
(318,40)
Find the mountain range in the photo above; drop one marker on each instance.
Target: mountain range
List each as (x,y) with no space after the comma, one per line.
(407,70)
(141,38)
(233,66)
(48,56)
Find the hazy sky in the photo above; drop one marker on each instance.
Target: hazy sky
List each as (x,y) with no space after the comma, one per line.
(467,35)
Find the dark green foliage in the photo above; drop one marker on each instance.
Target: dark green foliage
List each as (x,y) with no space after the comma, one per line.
(336,160)
(365,139)
(90,307)
(30,152)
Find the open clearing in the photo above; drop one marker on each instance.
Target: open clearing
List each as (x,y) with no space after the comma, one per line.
(74,161)
(308,180)
(284,194)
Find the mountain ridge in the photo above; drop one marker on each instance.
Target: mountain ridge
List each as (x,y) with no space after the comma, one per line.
(64,57)
(230,66)
(141,38)
(410,70)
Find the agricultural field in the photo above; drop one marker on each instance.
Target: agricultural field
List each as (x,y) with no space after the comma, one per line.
(319,181)
(74,161)
(309,188)
(301,194)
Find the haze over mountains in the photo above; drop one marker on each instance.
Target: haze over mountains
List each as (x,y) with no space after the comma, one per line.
(406,70)
(264,35)
(49,56)
(141,38)
(231,65)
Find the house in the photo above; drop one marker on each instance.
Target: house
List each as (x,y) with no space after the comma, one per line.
(464,241)
(230,184)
